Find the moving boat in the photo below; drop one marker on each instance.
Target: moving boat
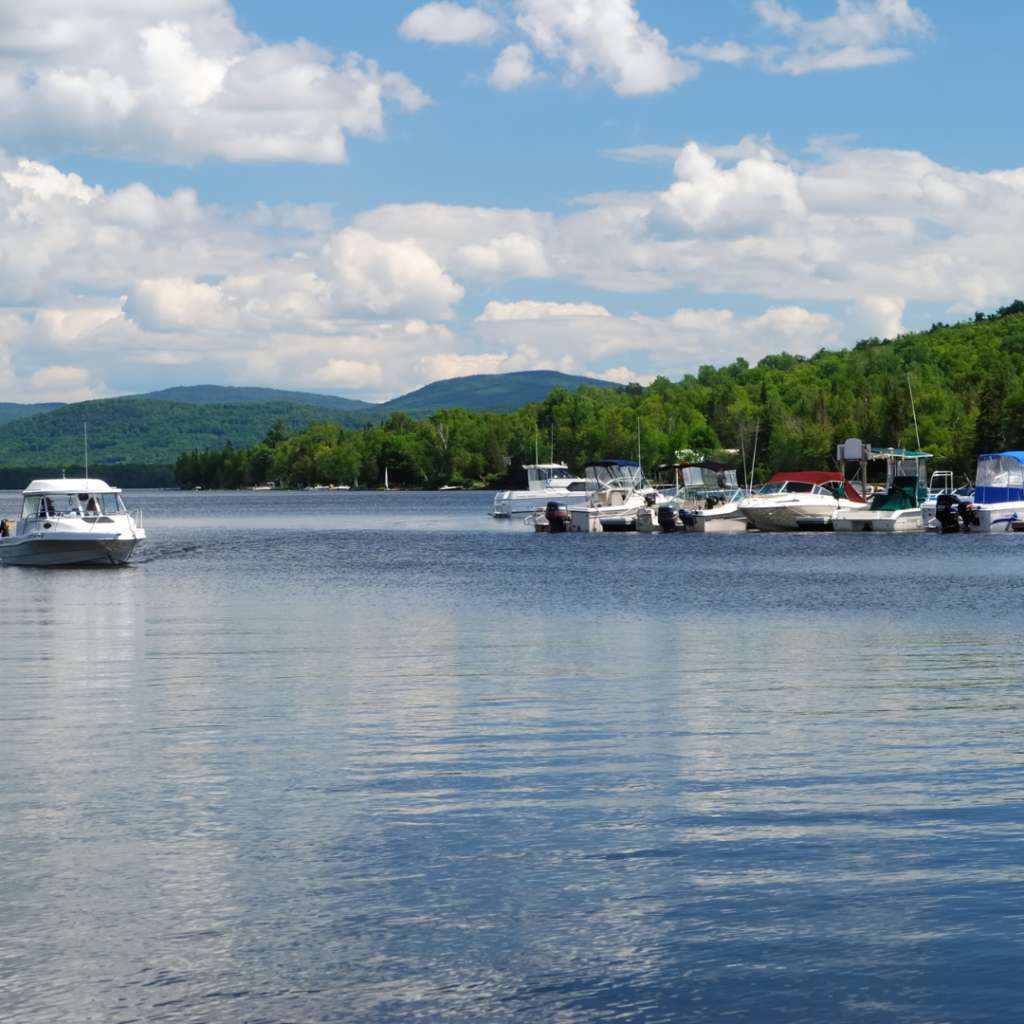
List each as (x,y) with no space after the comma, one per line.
(792,500)
(897,508)
(549,481)
(998,494)
(71,522)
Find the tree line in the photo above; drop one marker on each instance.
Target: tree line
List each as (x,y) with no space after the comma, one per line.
(967,382)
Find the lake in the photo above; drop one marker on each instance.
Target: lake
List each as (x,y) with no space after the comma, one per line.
(375,757)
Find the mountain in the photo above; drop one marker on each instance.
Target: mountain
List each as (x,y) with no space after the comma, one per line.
(15,410)
(149,431)
(489,392)
(215,394)
(154,429)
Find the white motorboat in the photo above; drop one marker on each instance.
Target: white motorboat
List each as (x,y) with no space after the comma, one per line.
(71,522)
(790,501)
(549,481)
(897,508)
(616,492)
(998,500)
(706,495)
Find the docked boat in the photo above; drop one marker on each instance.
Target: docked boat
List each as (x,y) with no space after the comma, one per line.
(897,507)
(550,481)
(71,522)
(790,501)
(705,494)
(998,500)
(616,492)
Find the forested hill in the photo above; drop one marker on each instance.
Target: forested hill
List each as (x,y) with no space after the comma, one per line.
(967,380)
(150,431)
(15,410)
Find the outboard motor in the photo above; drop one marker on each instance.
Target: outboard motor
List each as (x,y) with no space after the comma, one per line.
(711,501)
(687,520)
(650,500)
(967,516)
(667,518)
(951,514)
(558,517)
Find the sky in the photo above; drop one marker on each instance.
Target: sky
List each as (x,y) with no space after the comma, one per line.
(359,199)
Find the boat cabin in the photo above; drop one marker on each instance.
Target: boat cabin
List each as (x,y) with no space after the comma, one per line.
(612,481)
(54,499)
(543,476)
(1000,478)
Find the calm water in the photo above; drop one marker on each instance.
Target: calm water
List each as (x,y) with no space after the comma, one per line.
(373,757)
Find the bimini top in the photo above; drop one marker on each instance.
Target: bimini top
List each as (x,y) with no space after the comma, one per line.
(613,462)
(1019,456)
(79,486)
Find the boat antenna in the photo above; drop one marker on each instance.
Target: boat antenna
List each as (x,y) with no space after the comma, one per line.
(536,448)
(85,427)
(743,453)
(917,433)
(552,439)
(753,461)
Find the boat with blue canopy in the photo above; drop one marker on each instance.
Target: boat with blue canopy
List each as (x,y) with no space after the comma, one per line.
(998,493)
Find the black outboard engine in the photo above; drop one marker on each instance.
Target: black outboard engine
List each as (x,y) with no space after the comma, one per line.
(558,517)
(711,501)
(667,518)
(687,520)
(952,514)
(967,516)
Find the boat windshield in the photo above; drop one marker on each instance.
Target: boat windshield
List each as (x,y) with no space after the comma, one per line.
(50,506)
(614,477)
(790,487)
(1000,472)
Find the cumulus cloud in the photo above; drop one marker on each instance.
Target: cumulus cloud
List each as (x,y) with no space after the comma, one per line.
(345,373)
(513,68)
(120,284)
(447,22)
(385,276)
(530,309)
(607,37)
(850,38)
(178,80)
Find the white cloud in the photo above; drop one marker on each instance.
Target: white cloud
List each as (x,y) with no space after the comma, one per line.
(725,53)
(123,283)
(513,68)
(850,38)
(177,80)
(623,375)
(447,22)
(339,373)
(445,365)
(62,384)
(529,309)
(385,276)
(607,37)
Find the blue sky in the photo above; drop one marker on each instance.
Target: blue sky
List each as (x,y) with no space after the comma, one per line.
(361,198)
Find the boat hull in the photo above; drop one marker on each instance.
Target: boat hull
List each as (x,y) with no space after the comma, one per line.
(997,518)
(776,517)
(66,551)
(905,520)
(522,503)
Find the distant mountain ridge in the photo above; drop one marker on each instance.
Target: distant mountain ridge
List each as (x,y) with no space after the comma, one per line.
(154,429)
(15,410)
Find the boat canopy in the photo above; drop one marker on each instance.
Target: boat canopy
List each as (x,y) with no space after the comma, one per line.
(1000,478)
(62,486)
(615,474)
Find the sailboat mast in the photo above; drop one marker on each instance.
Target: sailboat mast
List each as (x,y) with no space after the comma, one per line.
(917,433)
(85,428)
